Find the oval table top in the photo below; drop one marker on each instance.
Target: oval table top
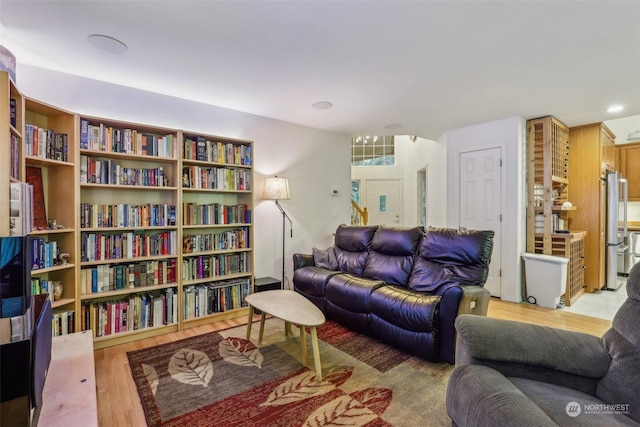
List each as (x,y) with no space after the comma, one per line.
(287,305)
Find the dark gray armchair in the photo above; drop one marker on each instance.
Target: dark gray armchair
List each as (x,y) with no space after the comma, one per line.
(515,374)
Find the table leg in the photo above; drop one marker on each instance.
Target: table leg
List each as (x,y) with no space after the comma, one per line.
(249,323)
(316,353)
(287,329)
(303,343)
(262,319)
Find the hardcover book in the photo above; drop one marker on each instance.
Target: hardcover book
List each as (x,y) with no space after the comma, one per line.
(34,178)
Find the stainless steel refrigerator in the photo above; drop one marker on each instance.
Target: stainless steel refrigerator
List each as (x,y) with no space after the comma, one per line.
(616,225)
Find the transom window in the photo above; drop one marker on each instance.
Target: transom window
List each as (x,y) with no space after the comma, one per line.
(373,151)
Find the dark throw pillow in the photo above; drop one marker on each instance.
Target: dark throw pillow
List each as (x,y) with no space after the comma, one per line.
(325,258)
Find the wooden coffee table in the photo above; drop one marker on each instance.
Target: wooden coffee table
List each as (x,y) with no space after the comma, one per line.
(293,308)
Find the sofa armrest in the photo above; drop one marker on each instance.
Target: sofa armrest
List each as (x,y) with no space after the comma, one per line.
(457,299)
(508,342)
(475,300)
(302,260)
(482,397)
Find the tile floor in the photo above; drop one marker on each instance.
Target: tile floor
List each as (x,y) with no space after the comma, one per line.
(602,304)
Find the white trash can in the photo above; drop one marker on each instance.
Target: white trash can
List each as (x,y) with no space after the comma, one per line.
(546,278)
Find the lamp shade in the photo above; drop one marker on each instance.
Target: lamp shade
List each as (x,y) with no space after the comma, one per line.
(276,188)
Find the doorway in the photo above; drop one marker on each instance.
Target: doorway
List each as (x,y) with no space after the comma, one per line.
(422,197)
(481,203)
(384,201)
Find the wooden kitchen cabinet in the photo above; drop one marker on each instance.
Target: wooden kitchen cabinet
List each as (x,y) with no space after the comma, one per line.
(592,151)
(628,164)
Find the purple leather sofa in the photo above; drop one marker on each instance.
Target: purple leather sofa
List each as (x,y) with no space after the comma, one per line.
(404,286)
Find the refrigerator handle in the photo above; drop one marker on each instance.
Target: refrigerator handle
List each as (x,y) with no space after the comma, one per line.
(625,192)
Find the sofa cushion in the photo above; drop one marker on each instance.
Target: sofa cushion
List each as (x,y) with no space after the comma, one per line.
(355,238)
(352,247)
(311,280)
(325,258)
(391,254)
(559,403)
(423,344)
(351,292)
(449,256)
(404,308)
(483,397)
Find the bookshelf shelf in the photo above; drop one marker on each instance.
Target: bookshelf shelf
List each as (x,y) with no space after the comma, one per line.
(40,271)
(128,260)
(128,336)
(126,187)
(42,161)
(221,315)
(127,156)
(62,302)
(219,278)
(215,252)
(126,291)
(47,231)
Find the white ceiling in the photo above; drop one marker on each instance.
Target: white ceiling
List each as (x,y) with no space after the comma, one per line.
(429,66)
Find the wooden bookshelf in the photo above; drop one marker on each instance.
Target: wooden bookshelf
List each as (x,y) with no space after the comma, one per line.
(49,147)
(116,202)
(11,164)
(548,180)
(217,231)
(129,272)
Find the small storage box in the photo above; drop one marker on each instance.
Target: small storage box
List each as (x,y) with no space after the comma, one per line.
(265,284)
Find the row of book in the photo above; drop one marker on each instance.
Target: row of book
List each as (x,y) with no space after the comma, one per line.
(20,209)
(46,143)
(215,213)
(113,246)
(13,112)
(44,254)
(94,171)
(110,277)
(106,138)
(42,287)
(63,322)
(216,178)
(126,215)
(14,165)
(209,266)
(231,239)
(131,313)
(203,300)
(205,150)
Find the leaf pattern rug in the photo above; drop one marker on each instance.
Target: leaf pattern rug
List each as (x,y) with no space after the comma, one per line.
(221,379)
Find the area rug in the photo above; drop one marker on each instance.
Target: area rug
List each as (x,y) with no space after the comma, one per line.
(221,379)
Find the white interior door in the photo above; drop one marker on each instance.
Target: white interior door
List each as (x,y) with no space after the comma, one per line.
(481,203)
(384,201)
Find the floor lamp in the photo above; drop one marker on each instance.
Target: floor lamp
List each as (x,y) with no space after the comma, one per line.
(277,188)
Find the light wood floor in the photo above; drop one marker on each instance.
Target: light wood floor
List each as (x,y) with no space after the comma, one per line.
(119,404)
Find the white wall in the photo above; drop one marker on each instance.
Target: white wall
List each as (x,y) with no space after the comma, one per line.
(311,159)
(510,135)
(411,157)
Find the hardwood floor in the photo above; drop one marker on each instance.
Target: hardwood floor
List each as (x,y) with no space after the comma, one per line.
(119,404)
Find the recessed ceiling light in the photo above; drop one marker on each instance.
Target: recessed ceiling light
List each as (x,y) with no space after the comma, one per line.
(615,109)
(393,126)
(322,105)
(107,44)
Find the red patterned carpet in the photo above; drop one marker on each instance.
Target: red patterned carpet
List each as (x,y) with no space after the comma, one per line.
(221,379)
